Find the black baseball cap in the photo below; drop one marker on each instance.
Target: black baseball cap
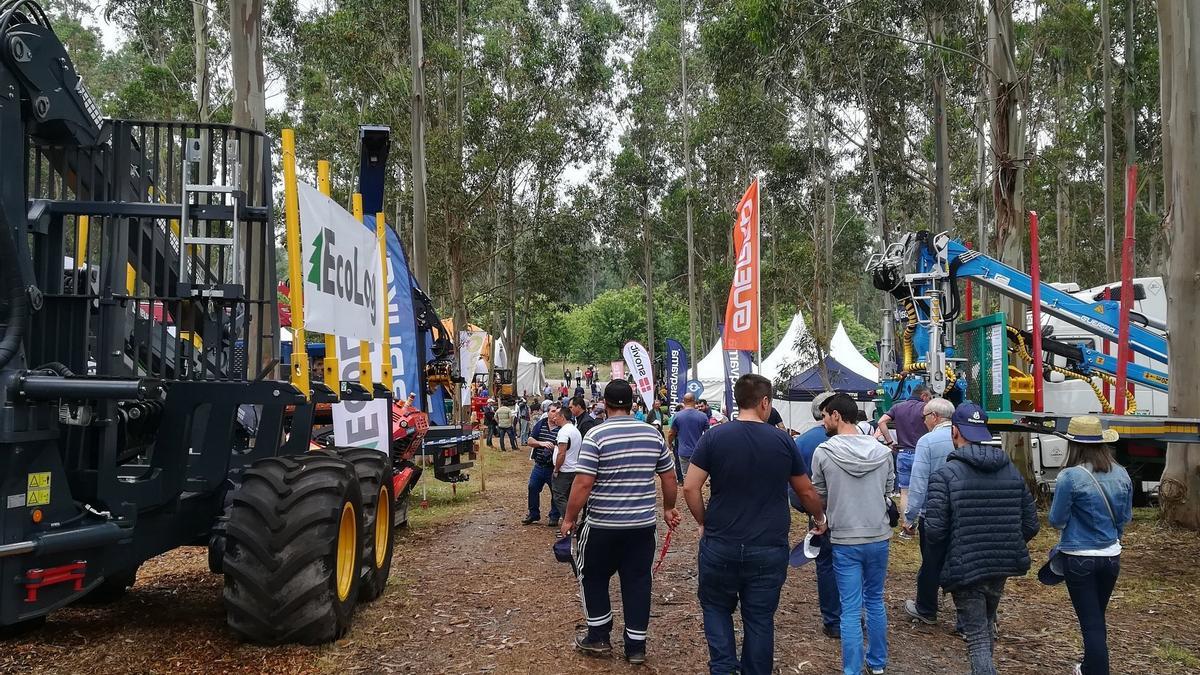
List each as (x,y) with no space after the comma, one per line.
(618,394)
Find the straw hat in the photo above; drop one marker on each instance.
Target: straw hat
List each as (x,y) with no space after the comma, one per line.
(1087,429)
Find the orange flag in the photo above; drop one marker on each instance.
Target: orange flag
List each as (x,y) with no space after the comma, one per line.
(741,312)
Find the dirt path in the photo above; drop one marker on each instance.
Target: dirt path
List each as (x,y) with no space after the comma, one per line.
(476,592)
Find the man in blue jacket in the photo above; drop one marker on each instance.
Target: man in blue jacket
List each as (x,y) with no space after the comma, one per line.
(827,590)
(982,513)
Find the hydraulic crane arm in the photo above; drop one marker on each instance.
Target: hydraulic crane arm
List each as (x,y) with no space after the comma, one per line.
(40,94)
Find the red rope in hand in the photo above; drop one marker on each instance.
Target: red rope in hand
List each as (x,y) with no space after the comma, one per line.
(662,555)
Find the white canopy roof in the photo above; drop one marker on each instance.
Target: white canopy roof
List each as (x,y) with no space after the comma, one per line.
(710,371)
(786,354)
(842,349)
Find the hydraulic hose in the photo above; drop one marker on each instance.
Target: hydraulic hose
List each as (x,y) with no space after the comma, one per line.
(910,330)
(18,299)
(1105,405)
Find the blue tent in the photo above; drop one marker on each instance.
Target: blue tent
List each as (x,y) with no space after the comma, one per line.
(806,385)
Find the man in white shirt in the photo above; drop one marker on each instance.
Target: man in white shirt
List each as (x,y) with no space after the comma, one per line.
(566,456)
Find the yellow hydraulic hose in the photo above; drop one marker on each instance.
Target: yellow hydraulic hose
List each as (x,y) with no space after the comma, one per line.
(910,330)
(1105,404)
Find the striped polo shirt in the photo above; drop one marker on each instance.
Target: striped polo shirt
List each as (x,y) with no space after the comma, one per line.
(624,455)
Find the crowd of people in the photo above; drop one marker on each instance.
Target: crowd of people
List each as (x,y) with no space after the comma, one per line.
(607,464)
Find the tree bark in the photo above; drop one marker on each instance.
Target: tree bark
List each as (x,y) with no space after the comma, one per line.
(417,50)
(1179,31)
(944,209)
(1110,259)
(1008,181)
(693,305)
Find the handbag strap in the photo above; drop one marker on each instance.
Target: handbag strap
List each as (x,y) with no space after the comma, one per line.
(1103,495)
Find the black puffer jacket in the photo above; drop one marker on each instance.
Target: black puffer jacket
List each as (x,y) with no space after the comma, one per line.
(981,514)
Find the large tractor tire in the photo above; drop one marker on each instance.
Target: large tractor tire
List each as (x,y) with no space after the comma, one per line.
(292,550)
(379,536)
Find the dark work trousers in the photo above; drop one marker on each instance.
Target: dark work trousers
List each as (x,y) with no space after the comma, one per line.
(1090,582)
(929,574)
(511,433)
(560,488)
(629,553)
(976,605)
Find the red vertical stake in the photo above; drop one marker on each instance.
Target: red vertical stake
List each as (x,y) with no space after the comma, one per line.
(1035,271)
(1126,287)
(1106,345)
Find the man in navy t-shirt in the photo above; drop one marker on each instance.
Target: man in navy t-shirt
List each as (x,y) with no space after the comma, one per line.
(744,528)
(686,427)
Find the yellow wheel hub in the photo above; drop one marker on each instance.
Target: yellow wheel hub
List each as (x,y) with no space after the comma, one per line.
(383,523)
(347,551)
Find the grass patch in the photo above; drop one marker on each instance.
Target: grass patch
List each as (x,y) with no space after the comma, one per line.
(448,501)
(1172,653)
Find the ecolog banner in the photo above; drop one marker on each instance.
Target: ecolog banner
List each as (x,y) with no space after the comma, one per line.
(343,288)
(676,365)
(638,360)
(741,311)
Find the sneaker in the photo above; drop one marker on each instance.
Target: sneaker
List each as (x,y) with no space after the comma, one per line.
(529,520)
(553,522)
(592,647)
(1078,669)
(833,632)
(636,656)
(910,606)
(873,671)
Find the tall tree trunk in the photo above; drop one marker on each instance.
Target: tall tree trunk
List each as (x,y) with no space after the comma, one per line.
(1060,176)
(1008,181)
(648,271)
(944,209)
(203,83)
(1179,31)
(417,50)
(1110,258)
(693,304)
(250,111)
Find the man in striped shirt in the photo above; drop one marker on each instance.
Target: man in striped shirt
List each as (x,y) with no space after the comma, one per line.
(615,479)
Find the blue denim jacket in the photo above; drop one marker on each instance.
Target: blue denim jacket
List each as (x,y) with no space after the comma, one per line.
(1078,511)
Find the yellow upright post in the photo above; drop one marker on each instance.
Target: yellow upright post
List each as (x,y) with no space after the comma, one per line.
(330,362)
(364,348)
(385,367)
(291,210)
(81,241)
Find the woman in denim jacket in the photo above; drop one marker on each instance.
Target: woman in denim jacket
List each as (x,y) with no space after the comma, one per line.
(1093,501)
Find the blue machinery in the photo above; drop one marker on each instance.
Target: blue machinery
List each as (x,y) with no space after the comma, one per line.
(921,273)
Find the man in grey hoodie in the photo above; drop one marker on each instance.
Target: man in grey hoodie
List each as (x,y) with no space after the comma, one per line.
(853,473)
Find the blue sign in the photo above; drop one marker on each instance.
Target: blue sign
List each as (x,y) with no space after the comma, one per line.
(695,388)
(676,369)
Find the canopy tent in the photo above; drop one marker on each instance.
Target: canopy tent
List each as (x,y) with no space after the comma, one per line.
(710,371)
(530,375)
(806,385)
(842,349)
(786,355)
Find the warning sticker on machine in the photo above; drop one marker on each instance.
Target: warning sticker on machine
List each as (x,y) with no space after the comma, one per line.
(37,490)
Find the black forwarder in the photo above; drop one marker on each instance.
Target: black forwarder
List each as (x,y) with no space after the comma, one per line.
(139,406)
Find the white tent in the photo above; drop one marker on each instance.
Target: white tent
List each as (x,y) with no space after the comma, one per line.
(842,349)
(786,354)
(530,375)
(710,371)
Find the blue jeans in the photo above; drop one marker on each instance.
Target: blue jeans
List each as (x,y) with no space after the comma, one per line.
(541,476)
(753,576)
(827,588)
(860,570)
(1090,582)
(511,433)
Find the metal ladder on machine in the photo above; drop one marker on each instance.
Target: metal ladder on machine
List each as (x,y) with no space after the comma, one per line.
(208,292)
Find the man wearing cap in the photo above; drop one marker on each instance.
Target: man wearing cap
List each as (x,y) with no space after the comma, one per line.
(827,591)
(543,445)
(910,427)
(932,451)
(981,513)
(686,427)
(744,528)
(615,479)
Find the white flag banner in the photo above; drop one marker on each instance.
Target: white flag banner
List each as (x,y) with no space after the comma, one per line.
(343,287)
(638,360)
(470,349)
